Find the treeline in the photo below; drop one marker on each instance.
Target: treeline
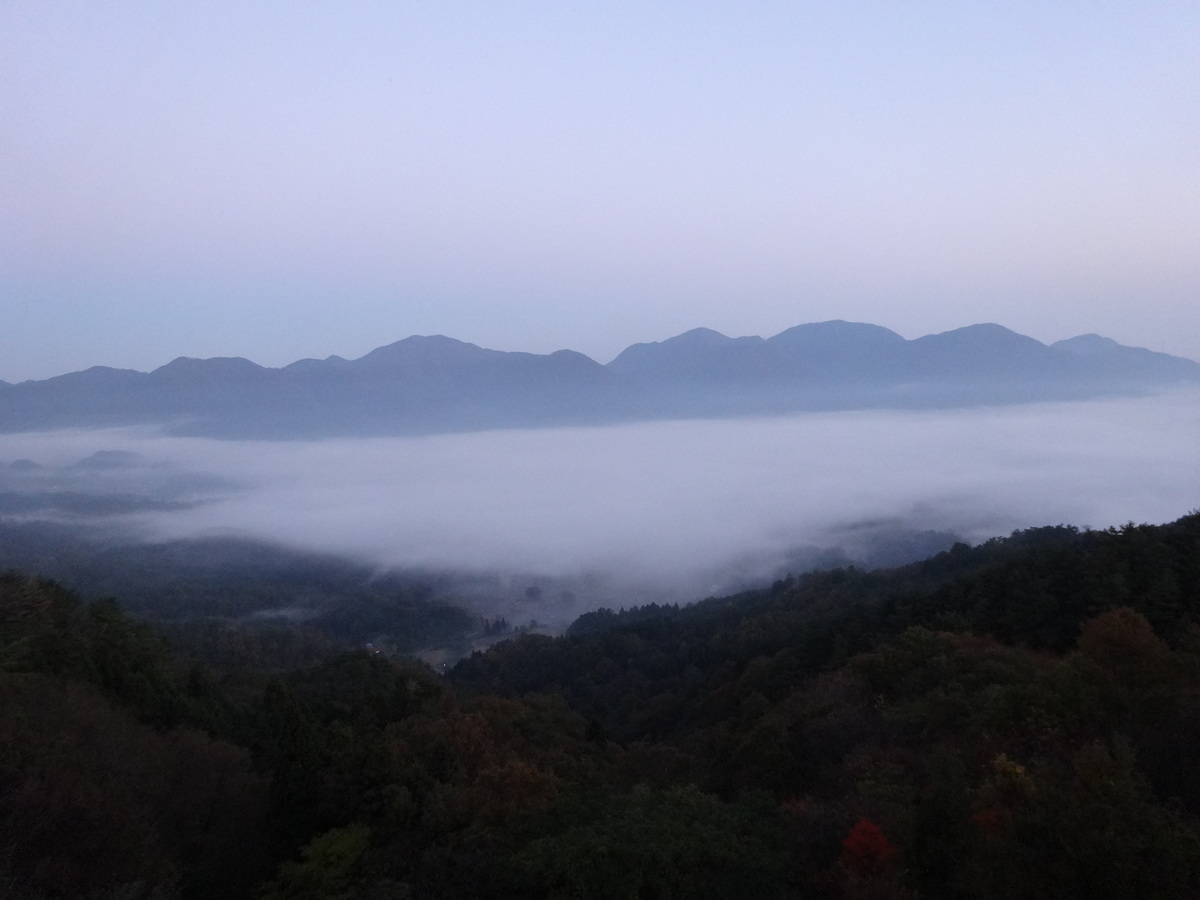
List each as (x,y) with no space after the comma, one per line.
(224,597)
(1017,719)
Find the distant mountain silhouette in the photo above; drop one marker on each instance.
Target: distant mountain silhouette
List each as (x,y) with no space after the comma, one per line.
(438,384)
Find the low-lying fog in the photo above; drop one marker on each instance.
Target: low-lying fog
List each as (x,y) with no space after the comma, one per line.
(689,507)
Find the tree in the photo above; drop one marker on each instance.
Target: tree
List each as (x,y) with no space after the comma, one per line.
(866,852)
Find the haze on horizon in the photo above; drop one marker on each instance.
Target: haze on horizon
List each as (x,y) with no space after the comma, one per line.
(227,179)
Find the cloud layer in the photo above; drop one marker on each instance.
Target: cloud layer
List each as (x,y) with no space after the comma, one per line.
(668,504)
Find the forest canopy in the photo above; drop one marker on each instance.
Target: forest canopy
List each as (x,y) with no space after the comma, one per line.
(1014,719)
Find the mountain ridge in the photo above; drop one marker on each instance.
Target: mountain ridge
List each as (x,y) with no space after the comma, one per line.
(435,383)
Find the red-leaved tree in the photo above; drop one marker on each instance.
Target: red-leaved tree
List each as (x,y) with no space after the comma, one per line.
(866,851)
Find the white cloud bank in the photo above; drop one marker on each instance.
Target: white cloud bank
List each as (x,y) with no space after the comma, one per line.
(669,502)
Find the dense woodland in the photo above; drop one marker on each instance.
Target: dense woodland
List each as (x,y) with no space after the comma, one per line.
(234,600)
(1014,720)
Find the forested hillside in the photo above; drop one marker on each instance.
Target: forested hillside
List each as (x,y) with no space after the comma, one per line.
(227,599)
(1017,719)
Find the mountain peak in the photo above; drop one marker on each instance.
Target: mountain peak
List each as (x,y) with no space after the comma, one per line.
(221,366)
(984,331)
(696,337)
(690,349)
(1086,344)
(837,333)
(986,338)
(421,349)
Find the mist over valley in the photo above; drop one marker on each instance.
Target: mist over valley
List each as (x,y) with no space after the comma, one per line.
(543,524)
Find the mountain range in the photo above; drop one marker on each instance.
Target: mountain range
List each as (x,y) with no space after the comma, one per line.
(431,384)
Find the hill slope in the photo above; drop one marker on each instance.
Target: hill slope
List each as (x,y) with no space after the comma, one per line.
(1017,719)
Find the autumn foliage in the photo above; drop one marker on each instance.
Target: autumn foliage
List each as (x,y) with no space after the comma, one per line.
(866,851)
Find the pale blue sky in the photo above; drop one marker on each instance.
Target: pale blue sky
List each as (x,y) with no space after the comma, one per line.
(281,180)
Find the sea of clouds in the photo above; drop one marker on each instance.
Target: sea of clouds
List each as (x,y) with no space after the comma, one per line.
(677,504)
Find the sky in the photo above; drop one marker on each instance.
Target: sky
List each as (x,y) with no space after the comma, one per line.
(280,181)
